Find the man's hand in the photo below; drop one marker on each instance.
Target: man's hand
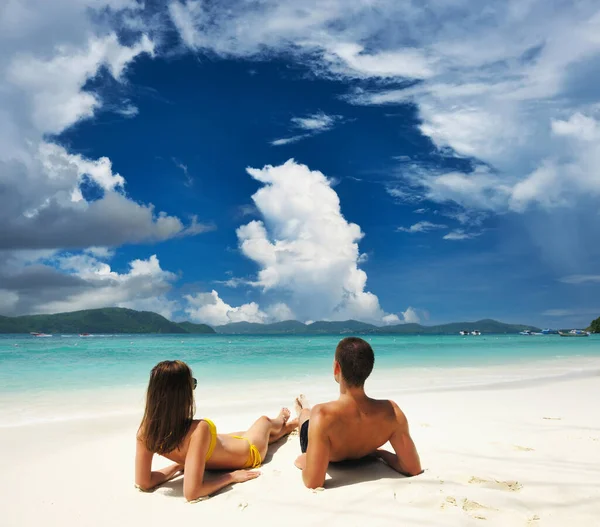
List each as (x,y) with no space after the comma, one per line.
(301,462)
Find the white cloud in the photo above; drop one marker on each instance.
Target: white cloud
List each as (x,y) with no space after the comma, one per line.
(351,59)
(313,124)
(280,311)
(305,248)
(128,111)
(306,251)
(581,279)
(143,287)
(422,226)
(210,309)
(391,319)
(411,316)
(53,87)
(511,85)
(189,181)
(316,122)
(50,52)
(289,140)
(459,234)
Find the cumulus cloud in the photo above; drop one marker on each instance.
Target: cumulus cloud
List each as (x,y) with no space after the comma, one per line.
(422,226)
(411,316)
(210,309)
(52,283)
(50,52)
(307,256)
(304,247)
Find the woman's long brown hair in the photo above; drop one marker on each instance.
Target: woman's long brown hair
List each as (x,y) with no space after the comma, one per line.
(169,407)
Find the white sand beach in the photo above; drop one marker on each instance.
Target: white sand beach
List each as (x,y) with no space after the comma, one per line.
(523,452)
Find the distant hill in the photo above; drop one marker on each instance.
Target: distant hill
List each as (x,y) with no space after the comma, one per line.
(595,326)
(107,320)
(116,320)
(361,328)
(485,326)
(296,328)
(254,328)
(190,327)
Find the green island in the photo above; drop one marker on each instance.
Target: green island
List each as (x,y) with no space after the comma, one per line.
(293,327)
(116,320)
(106,320)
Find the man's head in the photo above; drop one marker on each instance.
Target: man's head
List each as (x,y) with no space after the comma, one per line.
(354,359)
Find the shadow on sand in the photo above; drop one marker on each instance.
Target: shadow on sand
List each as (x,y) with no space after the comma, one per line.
(359,471)
(174,488)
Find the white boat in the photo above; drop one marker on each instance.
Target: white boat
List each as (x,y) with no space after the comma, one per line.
(36,334)
(574,333)
(476,332)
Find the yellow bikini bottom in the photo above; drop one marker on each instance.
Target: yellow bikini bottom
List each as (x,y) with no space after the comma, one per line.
(254,460)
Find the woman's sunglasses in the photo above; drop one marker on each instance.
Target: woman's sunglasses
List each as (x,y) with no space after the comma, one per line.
(195,382)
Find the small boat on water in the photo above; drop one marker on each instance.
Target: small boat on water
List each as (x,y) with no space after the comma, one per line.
(574,333)
(466,332)
(36,334)
(476,332)
(549,331)
(84,335)
(530,333)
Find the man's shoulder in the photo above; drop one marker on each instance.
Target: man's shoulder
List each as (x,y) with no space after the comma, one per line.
(323,414)
(398,414)
(324,409)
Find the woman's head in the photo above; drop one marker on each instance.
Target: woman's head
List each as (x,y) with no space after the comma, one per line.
(169,406)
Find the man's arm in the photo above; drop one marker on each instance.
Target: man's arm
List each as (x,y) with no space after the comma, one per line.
(406,459)
(317,454)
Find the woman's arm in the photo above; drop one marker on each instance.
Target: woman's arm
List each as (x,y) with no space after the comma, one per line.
(194,486)
(147,479)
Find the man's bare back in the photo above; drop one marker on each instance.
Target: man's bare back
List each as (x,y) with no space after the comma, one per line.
(355,429)
(355,425)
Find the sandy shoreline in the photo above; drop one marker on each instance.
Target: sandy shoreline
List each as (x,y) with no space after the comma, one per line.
(526,453)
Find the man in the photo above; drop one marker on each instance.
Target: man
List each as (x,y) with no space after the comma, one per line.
(355,425)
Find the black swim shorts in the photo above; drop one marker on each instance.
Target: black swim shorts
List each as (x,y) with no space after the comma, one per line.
(304,436)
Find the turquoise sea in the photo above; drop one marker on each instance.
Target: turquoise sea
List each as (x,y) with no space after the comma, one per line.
(71,363)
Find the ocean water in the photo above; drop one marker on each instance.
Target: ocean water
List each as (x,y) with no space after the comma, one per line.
(71,363)
(69,376)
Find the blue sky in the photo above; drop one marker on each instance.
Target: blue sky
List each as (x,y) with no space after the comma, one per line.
(237,161)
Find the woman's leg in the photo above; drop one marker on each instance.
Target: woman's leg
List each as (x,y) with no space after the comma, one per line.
(266,430)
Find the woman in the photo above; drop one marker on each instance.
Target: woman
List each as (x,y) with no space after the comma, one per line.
(168,428)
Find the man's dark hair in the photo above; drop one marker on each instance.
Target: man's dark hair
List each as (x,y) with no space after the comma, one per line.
(356,358)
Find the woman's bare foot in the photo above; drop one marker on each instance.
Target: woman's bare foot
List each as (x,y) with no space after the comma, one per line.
(284,415)
(287,426)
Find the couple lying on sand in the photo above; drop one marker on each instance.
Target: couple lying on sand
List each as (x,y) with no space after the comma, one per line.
(352,427)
